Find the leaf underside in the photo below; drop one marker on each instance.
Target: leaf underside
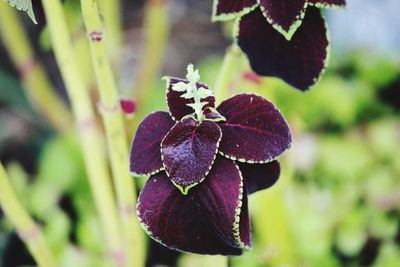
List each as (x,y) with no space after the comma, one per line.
(260,176)
(299,61)
(284,15)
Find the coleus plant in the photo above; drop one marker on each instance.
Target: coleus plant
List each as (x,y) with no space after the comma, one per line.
(282,38)
(203,162)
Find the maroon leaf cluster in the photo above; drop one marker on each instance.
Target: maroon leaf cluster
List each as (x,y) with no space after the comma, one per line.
(282,38)
(202,171)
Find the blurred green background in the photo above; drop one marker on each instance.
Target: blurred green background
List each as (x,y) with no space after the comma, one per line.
(337,202)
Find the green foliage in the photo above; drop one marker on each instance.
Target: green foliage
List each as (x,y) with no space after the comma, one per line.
(61,177)
(11,91)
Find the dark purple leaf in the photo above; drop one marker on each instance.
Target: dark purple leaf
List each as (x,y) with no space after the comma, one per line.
(213,115)
(188,151)
(299,62)
(145,155)
(228,9)
(177,105)
(254,131)
(284,15)
(175,220)
(260,176)
(245,225)
(220,199)
(328,3)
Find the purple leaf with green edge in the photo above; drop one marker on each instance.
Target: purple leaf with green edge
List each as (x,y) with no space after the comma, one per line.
(254,131)
(327,3)
(176,221)
(260,176)
(229,9)
(245,225)
(220,199)
(284,15)
(213,115)
(188,152)
(145,155)
(299,62)
(177,105)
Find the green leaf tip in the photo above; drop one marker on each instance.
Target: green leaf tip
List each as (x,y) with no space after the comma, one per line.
(24,5)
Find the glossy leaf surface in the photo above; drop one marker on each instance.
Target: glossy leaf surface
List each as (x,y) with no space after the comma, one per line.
(299,61)
(188,151)
(254,131)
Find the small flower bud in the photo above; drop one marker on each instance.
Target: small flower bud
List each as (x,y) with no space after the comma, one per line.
(128,106)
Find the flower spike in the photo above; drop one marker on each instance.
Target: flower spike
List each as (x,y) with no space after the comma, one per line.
(191,90)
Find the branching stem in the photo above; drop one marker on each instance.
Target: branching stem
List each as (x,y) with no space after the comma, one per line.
(231,60)
(115,133)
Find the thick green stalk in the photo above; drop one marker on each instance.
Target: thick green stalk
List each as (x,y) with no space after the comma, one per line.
(90,134)
(116,137)
(111,12)
(156,30)
(202,260)
(229,65)
(36,84)
(216,261)
(27,229)
(275,234)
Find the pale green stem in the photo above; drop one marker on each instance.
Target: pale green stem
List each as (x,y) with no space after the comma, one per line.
(198,109)
(218,261)
(229,65)
(27,229)
(275,233)
(90,134)
(156,30)
(116,137)
(37,86)
(111,13)
(215,261)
